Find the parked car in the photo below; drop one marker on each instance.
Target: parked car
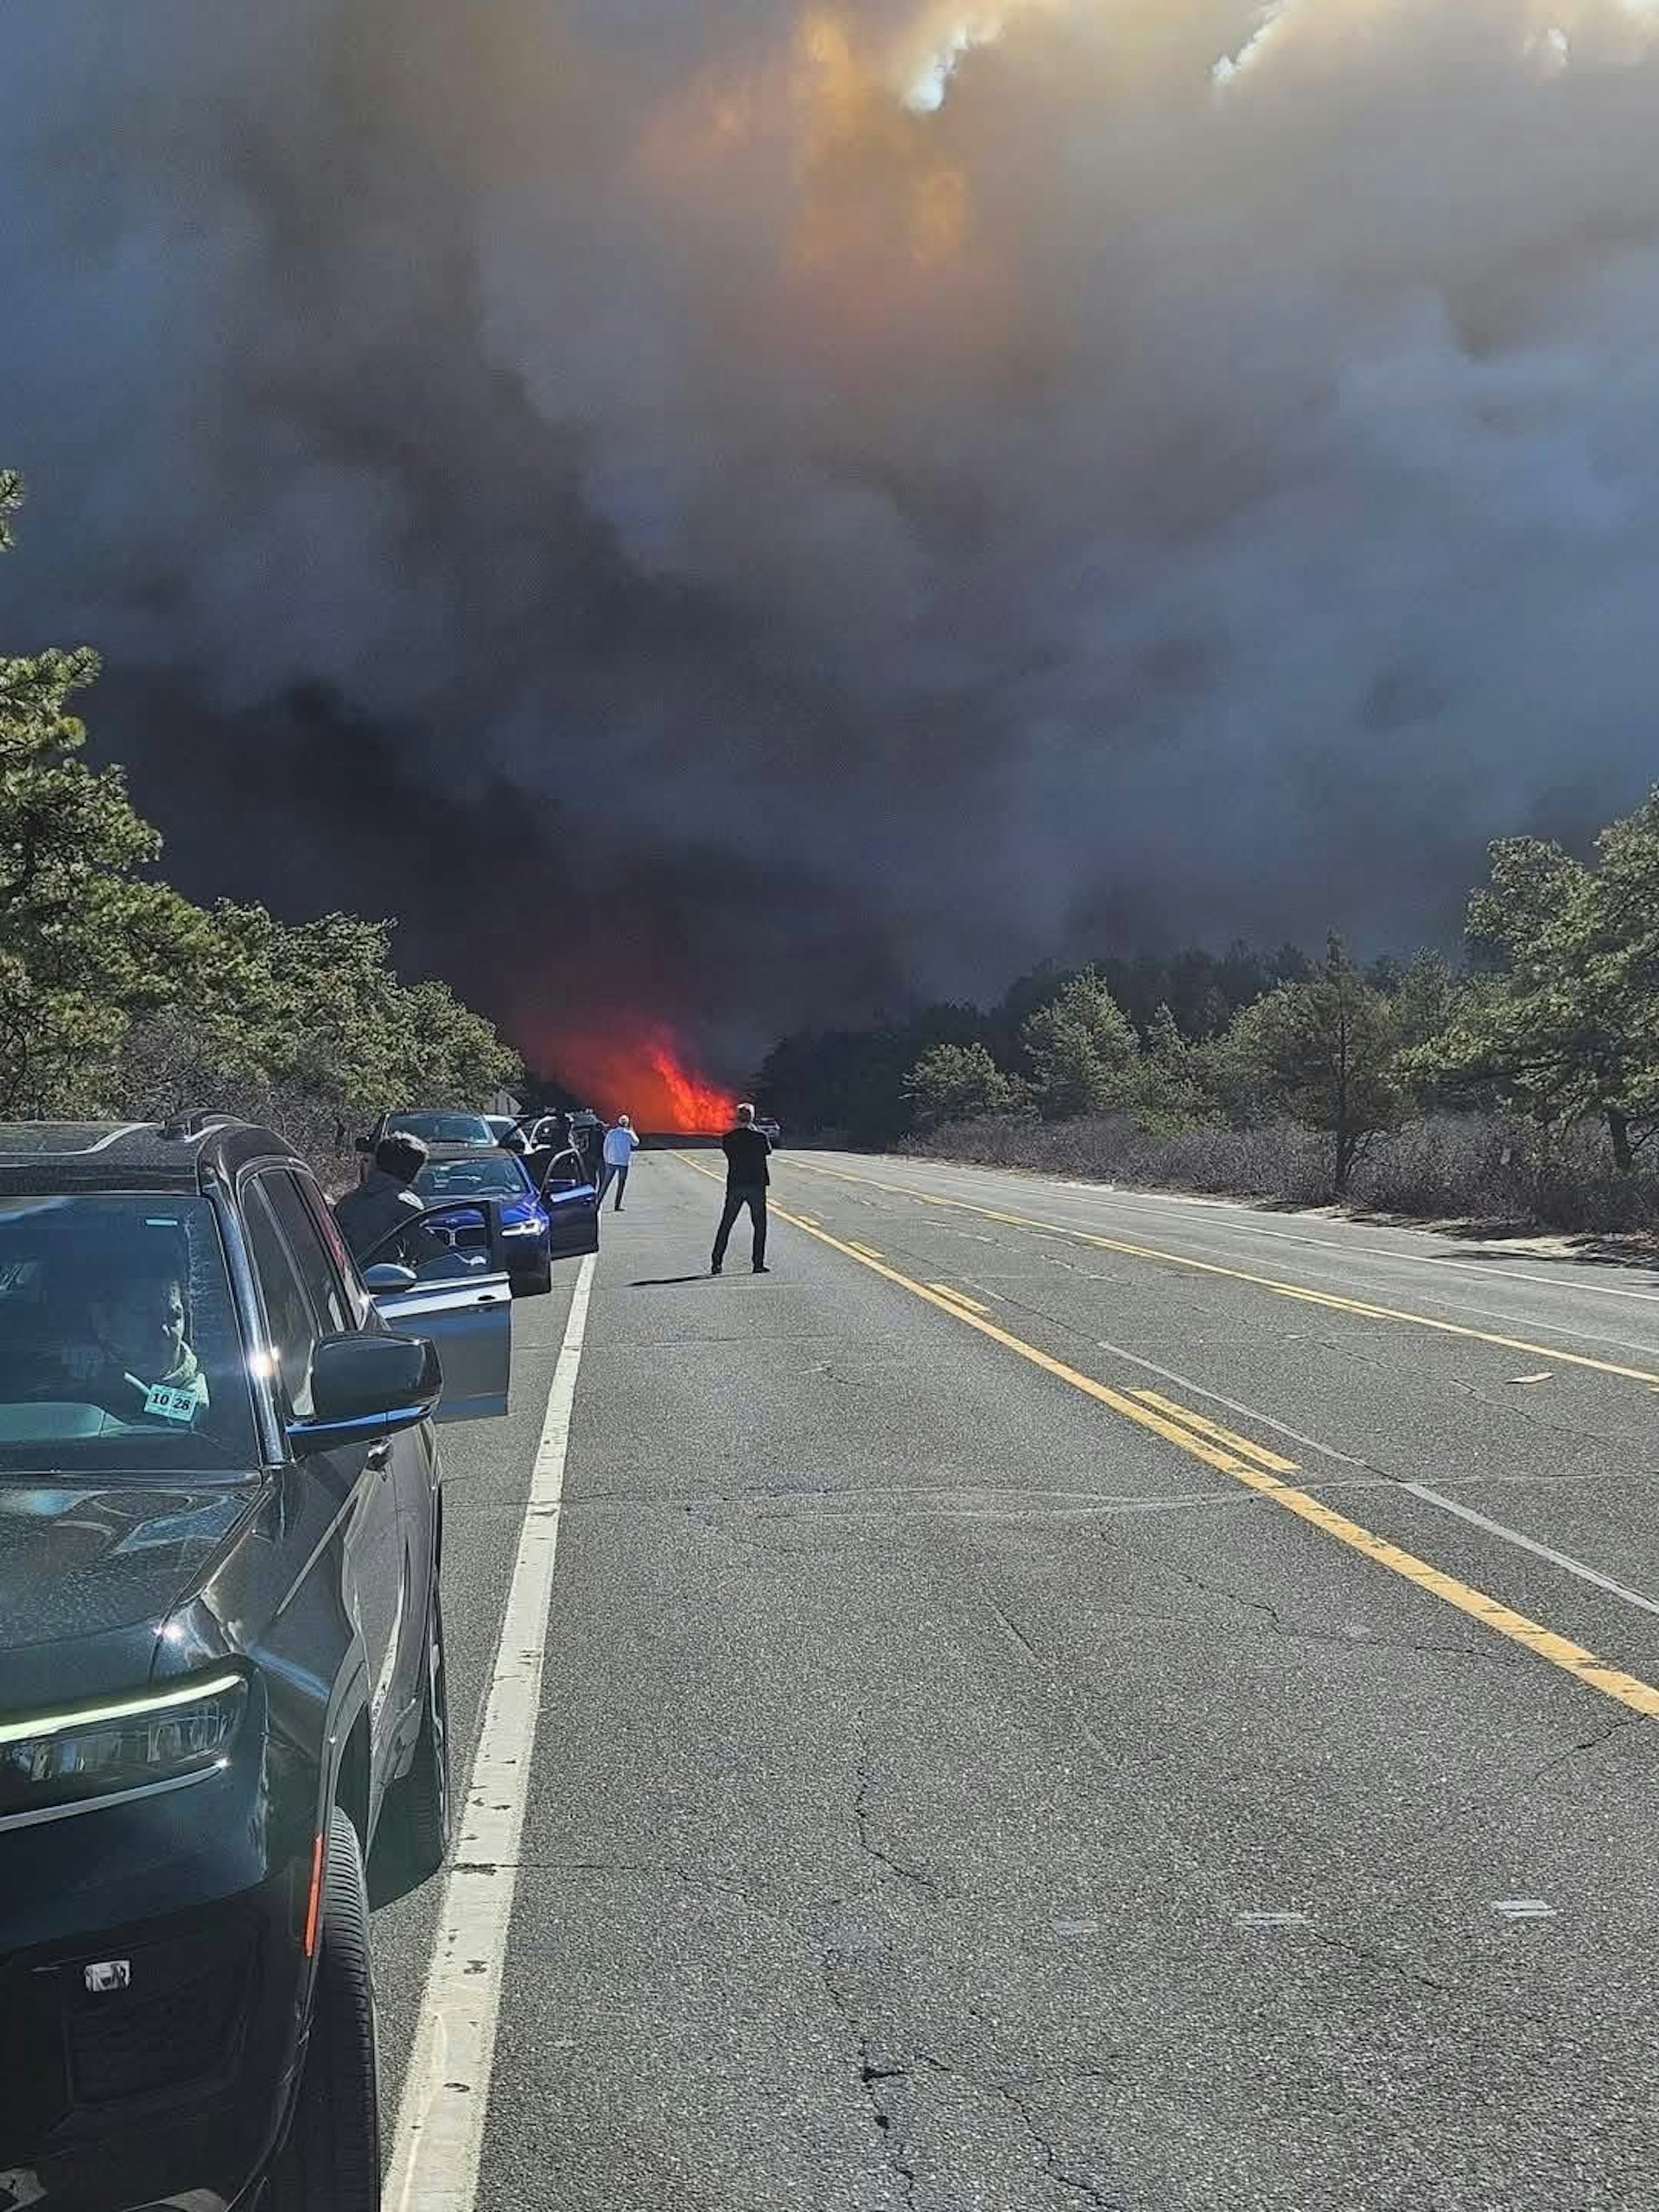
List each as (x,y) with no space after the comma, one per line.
(538,1226)
(547,1133)
(770,1129)
(433,1125)
(223,1723)
(515,1132)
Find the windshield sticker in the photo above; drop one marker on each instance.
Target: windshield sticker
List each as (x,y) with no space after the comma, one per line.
(168,1404)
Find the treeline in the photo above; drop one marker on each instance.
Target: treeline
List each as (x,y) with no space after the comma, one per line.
(1522,1081)
(855,1084)
(120,997)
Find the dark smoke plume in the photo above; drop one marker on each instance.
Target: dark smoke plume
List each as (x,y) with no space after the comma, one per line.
(750,512)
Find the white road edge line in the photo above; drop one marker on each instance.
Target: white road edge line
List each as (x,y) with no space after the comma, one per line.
(446,2101)
(1530,1544)
(1581,1568)
(1240,1214)
(1429,1497)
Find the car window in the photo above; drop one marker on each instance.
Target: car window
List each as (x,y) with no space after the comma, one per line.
(295,1326)
(496,1176)
(442,1128)
(452,1238)
(120,1348)
(345,1267)
(311,1256)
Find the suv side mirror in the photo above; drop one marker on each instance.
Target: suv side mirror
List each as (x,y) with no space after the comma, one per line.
(365,1387)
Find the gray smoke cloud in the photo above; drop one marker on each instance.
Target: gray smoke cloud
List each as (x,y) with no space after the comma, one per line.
(851,498)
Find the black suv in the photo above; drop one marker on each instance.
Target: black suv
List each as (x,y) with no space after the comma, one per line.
(222,1718)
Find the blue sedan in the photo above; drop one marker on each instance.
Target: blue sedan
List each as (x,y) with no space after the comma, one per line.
(539,1226)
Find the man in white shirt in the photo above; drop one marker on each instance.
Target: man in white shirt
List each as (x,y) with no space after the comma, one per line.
(620,1144)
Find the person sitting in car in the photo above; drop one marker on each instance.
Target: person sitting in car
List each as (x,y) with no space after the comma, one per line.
(131,1354)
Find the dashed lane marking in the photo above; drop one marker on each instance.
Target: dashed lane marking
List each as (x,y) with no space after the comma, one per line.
(1255,1453)
(1329,1300)
(1559,1651)
(1566,1560)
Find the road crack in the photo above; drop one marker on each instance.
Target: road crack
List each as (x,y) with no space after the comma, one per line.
(863,1816)
(1019,2101)
(1593,1742)
(1362,1954)
(1016,1636)
(1338,1639)
(1382,1961)
(873,2078)
(1478,1393)
(895,2148)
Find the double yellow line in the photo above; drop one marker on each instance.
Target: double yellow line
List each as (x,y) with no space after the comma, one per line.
(1258,1470)
(1332,1300)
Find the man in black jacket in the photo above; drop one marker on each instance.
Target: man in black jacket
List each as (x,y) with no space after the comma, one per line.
(748,1175)
(385,1199)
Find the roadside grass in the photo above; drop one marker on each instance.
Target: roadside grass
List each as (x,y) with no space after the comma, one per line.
(1485,1173)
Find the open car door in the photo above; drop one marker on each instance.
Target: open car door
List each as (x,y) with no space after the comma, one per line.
(443,1276)
(572,1205)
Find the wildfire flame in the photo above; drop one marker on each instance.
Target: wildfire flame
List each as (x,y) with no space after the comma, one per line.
(648,1078)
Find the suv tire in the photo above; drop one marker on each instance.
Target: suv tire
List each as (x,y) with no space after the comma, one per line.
(331,2161)
(412,1838)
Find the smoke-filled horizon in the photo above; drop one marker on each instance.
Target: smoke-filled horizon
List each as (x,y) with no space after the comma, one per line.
(744,514)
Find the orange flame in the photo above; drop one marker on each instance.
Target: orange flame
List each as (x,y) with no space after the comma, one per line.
(647,1077)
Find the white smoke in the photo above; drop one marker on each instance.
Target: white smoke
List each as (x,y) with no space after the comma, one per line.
(1068,471)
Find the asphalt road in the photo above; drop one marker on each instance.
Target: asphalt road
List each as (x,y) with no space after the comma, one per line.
(1058,1700)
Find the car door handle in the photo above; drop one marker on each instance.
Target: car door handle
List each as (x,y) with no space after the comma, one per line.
(380,1455)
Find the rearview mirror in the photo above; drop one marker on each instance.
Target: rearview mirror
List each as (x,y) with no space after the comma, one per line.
(364,1387)
(388,1275)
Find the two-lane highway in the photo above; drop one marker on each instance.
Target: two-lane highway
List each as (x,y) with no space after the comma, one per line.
(1050,1699)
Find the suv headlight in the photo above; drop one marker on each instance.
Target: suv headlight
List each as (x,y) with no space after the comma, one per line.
(161,1736)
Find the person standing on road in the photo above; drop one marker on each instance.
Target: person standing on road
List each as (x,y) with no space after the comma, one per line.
(587,1137)
(549,1139)
(748,1151)
(620,1144)
(384,1200)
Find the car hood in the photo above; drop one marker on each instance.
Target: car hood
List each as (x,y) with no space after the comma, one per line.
(85,1561)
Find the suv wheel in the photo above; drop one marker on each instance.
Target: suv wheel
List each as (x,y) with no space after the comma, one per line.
(413,1833)
(331,2161)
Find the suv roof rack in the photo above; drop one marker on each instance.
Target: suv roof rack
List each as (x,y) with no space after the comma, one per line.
(193,1122)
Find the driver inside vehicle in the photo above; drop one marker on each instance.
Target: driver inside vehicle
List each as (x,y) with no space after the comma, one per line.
(127,1349)
(118,1339)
